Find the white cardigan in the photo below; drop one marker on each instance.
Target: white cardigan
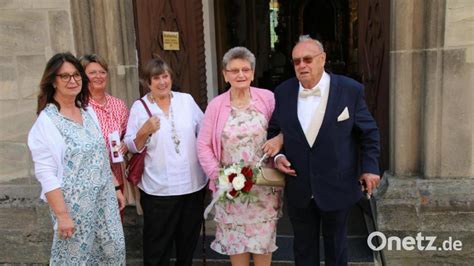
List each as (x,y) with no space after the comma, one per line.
(47,148)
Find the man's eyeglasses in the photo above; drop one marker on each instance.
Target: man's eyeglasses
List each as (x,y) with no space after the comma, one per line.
(97,73)
(67,77)
(306,59)
(236,71)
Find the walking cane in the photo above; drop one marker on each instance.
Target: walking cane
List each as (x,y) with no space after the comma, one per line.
(369,208)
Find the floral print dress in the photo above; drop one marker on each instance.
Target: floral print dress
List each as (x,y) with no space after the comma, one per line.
(89,195)
(246,226)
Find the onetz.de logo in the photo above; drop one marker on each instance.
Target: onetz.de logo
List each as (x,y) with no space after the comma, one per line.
(408,243)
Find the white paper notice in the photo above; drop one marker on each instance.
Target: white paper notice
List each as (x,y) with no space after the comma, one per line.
(114,143)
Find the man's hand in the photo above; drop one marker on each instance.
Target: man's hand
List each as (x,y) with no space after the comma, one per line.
(369,182)
(284,166)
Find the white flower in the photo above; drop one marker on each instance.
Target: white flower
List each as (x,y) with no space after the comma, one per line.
(229,196)
(238,182)
(223,180)
(232,169)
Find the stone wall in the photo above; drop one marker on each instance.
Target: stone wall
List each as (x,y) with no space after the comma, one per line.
(431,176)
(31,32)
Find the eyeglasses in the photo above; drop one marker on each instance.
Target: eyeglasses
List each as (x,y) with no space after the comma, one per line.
(306,59)
(236,71)
(97,73)
(67,77)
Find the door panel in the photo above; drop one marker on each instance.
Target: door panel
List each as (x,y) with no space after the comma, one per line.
(152,17)
(374,30)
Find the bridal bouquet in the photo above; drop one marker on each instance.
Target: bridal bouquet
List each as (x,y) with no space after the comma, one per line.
(236,181)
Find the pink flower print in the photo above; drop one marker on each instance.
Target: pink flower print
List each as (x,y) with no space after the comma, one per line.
(245,156)
(249,231)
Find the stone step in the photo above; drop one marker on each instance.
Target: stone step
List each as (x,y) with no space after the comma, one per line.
(358,250)
(359,253)
(227,263)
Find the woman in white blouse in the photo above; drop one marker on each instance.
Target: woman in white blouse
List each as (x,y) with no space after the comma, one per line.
(172,186)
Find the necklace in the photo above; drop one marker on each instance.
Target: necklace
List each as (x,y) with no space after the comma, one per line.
(240,103)
(102,103)
(170,117)
(174,134)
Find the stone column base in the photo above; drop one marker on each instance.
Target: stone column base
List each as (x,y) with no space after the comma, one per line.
(414,208)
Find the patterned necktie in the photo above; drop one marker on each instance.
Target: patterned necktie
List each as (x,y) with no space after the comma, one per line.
(313,92)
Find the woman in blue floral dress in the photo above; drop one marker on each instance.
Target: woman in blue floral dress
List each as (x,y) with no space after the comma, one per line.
(71,163)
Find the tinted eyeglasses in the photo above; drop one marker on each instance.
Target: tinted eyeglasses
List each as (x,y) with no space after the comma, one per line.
(306,59)
(66,77)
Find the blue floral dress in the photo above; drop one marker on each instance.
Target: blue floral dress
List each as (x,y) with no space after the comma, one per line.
(89,195)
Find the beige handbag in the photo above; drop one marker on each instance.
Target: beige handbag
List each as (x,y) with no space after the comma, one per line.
(268,176)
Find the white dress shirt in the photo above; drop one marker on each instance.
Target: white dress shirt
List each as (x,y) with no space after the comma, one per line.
(308,105)
(168,173)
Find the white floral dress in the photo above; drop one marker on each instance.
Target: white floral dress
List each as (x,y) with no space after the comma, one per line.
(241,226)
(89,195)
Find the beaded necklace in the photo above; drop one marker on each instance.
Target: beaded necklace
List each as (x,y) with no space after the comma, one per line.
(170,117)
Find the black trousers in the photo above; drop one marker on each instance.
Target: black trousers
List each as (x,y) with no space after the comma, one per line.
(171,220)
(306,224)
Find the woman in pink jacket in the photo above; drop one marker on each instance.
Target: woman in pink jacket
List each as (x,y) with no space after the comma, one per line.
(234,129)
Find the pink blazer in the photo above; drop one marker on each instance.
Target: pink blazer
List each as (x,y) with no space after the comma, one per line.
(209,140)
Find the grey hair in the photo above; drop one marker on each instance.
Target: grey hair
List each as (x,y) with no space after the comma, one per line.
(304,38)
(238,52)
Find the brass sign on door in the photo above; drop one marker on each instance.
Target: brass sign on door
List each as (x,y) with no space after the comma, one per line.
(171,40)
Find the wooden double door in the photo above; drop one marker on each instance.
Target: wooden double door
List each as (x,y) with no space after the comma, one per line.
(355,34)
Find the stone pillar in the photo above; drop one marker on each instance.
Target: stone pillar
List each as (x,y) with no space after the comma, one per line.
(31,32)
(106,27)
(431,176)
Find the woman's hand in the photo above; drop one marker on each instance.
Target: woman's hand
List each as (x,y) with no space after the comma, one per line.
(65,226)
(120,199)
(151,125)
(123,148)
(272,146)
(64,223)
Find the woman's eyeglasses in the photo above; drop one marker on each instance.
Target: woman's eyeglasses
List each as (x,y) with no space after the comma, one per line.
(236,71)
(306,59)
(97,73)
(66,77)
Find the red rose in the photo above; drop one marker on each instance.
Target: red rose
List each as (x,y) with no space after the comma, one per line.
(231,177)
(233,193)
(247,172)
(247,186)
